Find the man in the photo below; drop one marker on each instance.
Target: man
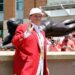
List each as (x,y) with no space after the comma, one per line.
(30,43)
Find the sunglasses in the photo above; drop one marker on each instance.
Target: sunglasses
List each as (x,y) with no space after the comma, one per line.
(38,16)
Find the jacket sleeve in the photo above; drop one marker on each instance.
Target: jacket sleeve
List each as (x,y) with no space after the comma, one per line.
(18,38)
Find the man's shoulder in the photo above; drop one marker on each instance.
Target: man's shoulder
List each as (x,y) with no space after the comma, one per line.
(22,25)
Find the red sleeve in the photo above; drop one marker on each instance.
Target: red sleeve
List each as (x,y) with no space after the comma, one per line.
(19,35)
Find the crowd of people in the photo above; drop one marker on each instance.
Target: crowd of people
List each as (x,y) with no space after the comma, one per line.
(54,44)
(65,43)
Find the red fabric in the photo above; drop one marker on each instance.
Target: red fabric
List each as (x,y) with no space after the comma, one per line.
(27,52)
(71,45)
(55,47)
(64,43)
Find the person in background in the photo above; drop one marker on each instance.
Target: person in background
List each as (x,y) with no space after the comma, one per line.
(64,43)
(55,46)
(68,43)
(71,43)
(0,41)
(48,44)
(1,49)
(30,43)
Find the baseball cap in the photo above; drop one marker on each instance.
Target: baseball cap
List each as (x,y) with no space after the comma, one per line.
(35,11)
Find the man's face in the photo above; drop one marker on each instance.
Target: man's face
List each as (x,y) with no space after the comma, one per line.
(36,18)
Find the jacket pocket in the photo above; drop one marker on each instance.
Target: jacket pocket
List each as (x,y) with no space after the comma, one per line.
(23,56)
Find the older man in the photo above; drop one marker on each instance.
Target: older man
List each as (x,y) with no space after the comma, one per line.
(30,43)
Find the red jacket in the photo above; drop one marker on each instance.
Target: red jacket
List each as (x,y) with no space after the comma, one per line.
(27,52)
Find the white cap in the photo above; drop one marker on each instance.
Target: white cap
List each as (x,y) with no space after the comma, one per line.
(35,11)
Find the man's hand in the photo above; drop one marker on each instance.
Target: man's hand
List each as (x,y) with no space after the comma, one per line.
(28,32)
(30,28)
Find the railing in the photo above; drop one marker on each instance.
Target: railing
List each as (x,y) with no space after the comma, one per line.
(8,55)
(59,63)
